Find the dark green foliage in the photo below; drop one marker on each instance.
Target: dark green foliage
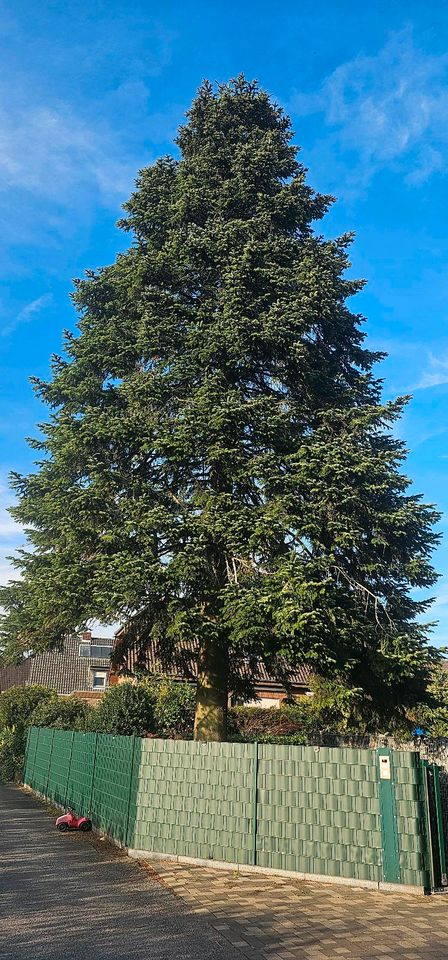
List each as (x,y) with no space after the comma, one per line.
(18,703)
(296,723)
(126,709)
(21,707)
(218,466)
(160,707)
(343,707)
(173,708)
(255,723)
(333,710)
(433,716)
(62,713)
(12,753)
(16,709)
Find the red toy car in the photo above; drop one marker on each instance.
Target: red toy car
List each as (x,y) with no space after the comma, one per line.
(70,822)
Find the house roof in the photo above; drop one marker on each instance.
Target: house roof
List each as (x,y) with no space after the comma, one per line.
(15,676)
(181,664)
(63,670)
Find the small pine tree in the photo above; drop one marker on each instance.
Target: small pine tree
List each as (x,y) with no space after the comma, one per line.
(218,465)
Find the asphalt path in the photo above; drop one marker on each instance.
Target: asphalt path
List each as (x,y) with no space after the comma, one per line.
(73,896)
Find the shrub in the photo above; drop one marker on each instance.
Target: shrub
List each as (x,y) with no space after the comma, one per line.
(62,713)
(126,708)
(257,723)
(18,703)
(16,708)
(173,706)
(342,707)
(12,753)
(433,716)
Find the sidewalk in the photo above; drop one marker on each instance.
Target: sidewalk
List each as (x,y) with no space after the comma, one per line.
(69,897)
(76,897)
(268,918)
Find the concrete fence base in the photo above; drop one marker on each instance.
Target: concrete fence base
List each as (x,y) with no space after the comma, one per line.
(248,869)
(354,817)
(271,872)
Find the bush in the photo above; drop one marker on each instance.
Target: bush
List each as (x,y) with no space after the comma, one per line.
(173,706)
(16,708)
(62,713)
(257,723)
(12,753)
(157,706)
(126,709)
(18,703)
(433,715)
(342,707)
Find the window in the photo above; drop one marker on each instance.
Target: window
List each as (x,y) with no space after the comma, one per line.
(96,651)
(99,679)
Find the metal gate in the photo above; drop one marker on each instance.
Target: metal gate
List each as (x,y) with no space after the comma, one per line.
(435,825)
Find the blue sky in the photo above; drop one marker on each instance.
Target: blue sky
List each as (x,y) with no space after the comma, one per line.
(90,92)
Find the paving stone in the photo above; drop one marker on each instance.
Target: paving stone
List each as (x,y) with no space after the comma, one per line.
(281,919)
(77,897)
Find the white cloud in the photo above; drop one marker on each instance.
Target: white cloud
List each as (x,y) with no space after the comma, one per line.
(8,526)
(436,373)
(59,162)
(26,314)
(106,631)
(73,116)
(441,599)
(429,161)
(386,108)
(50,152)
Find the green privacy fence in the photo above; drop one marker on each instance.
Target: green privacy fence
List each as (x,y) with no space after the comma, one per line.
(355,814)
(92,773)
(196,800)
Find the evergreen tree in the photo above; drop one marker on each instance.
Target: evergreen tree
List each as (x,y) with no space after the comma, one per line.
(218,467)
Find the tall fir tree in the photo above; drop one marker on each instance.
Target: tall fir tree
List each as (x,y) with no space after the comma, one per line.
(219,469)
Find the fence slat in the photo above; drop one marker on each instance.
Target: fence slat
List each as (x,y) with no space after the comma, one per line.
(310,809)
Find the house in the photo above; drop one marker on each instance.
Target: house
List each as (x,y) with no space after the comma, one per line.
(181,666)
(81,668)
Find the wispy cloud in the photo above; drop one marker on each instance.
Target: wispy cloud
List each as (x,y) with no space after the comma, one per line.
(50,152)
(62,158)
(441,598)
(89,129)
(26,314)
(436,373)
(386,108)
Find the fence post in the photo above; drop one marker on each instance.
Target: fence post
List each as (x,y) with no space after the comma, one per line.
(254,803)
(49,763)
(389,833)
(69,768)
(424,764)
(27,749)
(440,828)
(35,755)
(131,783)
(89,811)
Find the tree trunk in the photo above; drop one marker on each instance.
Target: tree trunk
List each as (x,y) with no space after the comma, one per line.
(210,722)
